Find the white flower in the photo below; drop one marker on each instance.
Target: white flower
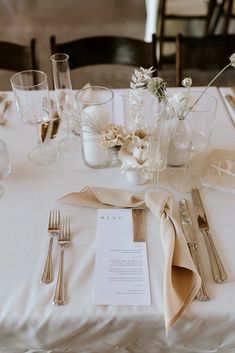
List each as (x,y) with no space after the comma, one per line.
(232,59)
(180,102)
(140,153)
(187,82)
(157,86)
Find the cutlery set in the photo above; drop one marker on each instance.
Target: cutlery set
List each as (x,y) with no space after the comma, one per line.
(57,227)
(218,271)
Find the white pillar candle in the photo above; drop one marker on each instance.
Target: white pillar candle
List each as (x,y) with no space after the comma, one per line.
(94,118)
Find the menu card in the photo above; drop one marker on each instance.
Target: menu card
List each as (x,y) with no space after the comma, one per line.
(121,267)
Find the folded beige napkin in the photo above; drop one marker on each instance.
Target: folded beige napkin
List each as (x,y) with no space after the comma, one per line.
(219,171)
(181,280)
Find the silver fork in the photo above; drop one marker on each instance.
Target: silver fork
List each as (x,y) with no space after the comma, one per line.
(53,229)
(64,240)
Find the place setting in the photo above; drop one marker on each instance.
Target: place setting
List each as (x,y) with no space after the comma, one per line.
(132,193)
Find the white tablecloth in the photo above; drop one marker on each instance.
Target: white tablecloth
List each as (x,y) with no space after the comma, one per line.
(29,322)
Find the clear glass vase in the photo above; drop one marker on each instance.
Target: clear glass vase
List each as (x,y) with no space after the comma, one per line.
(95,107)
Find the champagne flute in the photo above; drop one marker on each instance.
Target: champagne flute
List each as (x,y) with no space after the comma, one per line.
(193,135)
(64,99)
(33,104)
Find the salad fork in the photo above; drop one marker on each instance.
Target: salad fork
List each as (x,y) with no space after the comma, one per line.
(64,240)
(53,229)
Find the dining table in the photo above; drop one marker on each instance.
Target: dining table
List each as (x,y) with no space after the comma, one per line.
(30,322)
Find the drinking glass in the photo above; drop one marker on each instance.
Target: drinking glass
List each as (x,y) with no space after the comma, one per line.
(160,131)
(5,164)
(95,107)
(33,104)
(137,109)
(193,135)
(159,139)
(64,99)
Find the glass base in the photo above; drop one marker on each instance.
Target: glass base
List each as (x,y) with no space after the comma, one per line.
(156,188)
(43,156)
(184,180)
(69,145)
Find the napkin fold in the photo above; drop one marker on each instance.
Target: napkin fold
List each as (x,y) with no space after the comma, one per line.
(181,279)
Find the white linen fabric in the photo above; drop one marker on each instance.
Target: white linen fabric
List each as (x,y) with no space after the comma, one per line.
(29,322)
(219,171)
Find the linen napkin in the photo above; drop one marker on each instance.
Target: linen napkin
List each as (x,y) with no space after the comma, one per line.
(181,279)
(219,171)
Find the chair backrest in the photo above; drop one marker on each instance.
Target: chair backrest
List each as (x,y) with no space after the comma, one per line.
(182,10)
(225,13)
(16,57)
(107,50)
(203,53)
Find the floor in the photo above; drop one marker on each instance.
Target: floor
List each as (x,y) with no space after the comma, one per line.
(21,20)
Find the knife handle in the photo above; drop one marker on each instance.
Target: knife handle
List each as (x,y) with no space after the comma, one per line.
(214,265)
(203,294)
(223,274)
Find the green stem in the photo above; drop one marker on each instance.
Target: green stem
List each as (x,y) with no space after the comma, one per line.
(210,83)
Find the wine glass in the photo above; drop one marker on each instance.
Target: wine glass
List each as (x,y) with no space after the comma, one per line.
(64,99)
(193,135)
(33,104)
(159,139)
(160,130)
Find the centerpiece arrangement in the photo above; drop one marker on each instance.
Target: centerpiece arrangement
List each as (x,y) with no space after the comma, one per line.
(142,144)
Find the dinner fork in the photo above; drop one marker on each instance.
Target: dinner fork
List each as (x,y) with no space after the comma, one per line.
(64,240)
(53,229)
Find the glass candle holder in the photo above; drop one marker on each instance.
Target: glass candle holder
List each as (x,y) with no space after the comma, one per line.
(95,106)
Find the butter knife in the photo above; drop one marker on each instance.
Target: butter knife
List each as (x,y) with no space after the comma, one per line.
(217,267)
(187,226)
(231,100)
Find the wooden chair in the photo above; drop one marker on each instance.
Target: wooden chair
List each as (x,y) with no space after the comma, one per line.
(205,53)
(107,50)
(182,10)
(16,57)
(225,13)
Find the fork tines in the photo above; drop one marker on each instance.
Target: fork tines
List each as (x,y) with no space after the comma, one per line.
(65,233)
(54,220)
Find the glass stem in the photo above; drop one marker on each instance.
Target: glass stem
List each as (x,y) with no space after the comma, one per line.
(188,156)
(155,179)
(68,127)
(41,145)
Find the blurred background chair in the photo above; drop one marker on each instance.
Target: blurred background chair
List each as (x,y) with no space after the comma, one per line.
(16,57)
(107,50)
(206,54)
(183,11)
(224,16)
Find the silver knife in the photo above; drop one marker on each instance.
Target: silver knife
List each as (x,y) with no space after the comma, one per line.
(187,226)
(217,267)
(231,100)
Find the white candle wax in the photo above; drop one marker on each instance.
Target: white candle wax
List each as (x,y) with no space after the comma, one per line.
(93,118)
